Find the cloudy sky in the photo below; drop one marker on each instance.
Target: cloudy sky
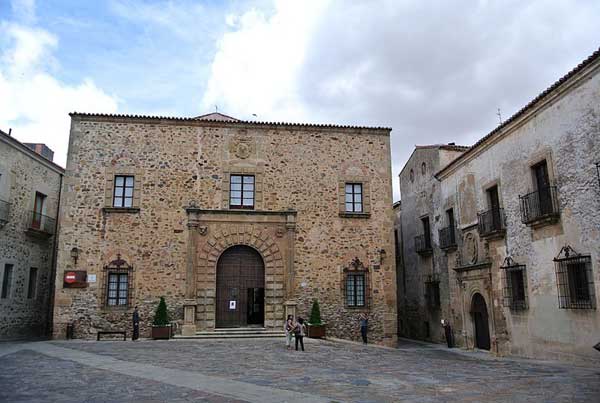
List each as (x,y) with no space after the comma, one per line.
(434,71)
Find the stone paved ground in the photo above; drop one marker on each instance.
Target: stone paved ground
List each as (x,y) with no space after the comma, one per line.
(262,371)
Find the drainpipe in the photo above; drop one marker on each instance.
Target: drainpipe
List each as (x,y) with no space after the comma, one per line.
(52,279)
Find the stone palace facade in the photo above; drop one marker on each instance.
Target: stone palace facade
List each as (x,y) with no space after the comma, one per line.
(235,223)
(502,239)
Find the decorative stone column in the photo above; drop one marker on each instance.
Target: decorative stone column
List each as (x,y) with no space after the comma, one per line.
(290,308)
(290,226)
(189,303)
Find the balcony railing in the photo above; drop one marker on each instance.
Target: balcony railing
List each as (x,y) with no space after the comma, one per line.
(4,212)
(447,237)
(423,244)
(539,205)
(42,224)
(491,222)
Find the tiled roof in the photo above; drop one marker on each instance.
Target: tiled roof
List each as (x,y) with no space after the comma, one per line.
(226,122)
(450,147)
(591,59)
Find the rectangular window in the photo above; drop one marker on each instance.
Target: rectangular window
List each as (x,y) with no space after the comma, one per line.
(118,288)
(575,282)
(354,199)
(123,192)
(355,290)
(515,287)
(32,286)
(7,281)
(426,232)
(241,192)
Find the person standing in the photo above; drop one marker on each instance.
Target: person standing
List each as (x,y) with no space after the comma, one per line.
(136,324)
(364,326)
(299,332)
(288,327)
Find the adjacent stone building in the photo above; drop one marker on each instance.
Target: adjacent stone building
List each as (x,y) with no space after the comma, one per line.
(235,223)
(523,261)
(29,197)
(424,295)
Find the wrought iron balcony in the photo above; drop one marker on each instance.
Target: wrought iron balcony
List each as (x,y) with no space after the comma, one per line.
(540,205)
(40,225)
(491,223)
(423,244)
(4,212)
(447,237)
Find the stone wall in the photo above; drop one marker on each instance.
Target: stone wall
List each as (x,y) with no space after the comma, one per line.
(22,174)
(183,163)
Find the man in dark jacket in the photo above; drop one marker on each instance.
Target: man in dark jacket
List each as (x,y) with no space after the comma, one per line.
(136,324)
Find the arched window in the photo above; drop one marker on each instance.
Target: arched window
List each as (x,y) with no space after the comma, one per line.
(412,175)
(423,168)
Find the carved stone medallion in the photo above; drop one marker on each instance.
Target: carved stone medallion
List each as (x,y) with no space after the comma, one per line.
(242,148)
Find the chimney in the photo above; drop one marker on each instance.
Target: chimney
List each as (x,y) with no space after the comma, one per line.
(42,150)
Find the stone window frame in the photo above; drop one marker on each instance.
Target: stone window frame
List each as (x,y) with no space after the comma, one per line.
(256,170)
(356,267)
(366,196)
(109,187)
(117,266)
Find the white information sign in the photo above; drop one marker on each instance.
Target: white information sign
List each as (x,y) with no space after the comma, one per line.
(232,305)
(91,278)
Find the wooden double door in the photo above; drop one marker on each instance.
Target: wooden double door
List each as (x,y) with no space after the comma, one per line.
(240,288)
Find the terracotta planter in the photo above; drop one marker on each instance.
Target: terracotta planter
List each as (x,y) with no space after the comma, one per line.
(161,332)
(316,331)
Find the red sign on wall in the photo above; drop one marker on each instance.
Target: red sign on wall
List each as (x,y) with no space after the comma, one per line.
(75,279)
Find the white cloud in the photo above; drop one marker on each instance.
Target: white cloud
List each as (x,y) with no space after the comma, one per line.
(262,55)
(34,103)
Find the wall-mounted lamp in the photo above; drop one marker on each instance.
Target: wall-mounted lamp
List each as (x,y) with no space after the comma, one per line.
(75,254)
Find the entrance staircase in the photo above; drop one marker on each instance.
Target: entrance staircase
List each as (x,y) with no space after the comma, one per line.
(236,333)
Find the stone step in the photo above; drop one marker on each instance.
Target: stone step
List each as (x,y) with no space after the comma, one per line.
(235,333)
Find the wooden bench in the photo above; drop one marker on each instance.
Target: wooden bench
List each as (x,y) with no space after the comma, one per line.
(104,332)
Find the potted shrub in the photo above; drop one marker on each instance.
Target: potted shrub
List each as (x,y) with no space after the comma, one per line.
(161,328)
(316,328)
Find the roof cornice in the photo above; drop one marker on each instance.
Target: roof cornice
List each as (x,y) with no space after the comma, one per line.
(13,142)
(96,117)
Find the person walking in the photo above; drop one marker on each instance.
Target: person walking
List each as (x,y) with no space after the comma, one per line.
(299,332)
(288,327)
(364,326)
(136,324)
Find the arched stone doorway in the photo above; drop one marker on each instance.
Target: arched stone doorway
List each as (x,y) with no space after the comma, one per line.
(240,288)
(479,314)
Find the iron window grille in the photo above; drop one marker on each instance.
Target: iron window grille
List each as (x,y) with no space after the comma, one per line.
(354,201)
(515,285)
(118,284)
(432,291)
(543,203)
(447,237)
(7,281)
(241,192)
(574,280)
(356,285)
(123,191)
(598,172)
(4,212)
(491,222)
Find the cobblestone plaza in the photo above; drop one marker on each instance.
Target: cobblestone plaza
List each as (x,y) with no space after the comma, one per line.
(250,370)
